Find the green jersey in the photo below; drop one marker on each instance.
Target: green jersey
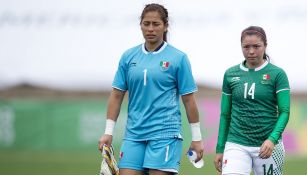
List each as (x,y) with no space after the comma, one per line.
(252,109)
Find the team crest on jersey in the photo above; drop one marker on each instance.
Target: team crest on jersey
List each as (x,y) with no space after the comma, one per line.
(164,65)
(265,78)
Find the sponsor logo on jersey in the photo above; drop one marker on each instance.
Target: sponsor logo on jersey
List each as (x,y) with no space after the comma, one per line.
(132,64)
(164,65)
(235,79)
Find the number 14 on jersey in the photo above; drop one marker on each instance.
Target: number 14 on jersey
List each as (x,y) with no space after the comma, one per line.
(249,90)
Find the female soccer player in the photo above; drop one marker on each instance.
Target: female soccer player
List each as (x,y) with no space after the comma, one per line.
(255,108)
(155,74)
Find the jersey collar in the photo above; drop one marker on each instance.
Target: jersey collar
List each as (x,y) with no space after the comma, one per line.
(256,69)
(158,50)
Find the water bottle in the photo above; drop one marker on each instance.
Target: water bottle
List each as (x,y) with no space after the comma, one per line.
(192,155)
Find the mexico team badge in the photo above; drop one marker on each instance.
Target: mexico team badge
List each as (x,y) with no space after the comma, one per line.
(164,65)
(265,78)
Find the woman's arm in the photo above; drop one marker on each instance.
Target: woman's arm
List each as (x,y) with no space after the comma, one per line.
(225,117)
(283,103)
(114,104)
(193,118)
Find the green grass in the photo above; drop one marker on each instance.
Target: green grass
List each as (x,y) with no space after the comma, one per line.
(88,163)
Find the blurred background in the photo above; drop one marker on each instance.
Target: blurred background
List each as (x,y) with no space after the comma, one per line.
(58,59)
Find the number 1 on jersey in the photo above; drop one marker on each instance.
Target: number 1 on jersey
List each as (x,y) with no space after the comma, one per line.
(251,90)
(145,74)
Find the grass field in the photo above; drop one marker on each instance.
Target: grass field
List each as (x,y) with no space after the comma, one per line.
(88,163)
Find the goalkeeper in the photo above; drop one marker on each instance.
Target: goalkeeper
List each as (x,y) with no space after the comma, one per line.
(155,74)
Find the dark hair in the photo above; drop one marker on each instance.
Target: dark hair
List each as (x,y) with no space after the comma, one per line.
(161,10)
(256,30)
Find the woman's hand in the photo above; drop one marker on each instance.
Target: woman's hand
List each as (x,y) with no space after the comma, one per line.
(105,140)
(198,147)
(218,161)
(266,149)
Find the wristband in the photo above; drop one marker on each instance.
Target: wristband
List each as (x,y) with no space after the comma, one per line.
(110,124)
(195,130)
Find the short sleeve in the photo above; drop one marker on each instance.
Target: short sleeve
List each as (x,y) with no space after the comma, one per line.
(186,83)
(120,79)
(225,87)
(282,82)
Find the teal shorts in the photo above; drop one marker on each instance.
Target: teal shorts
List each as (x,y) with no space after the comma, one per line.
(164,155)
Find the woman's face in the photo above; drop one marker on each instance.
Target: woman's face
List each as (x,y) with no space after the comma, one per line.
(253,49)
(153,27)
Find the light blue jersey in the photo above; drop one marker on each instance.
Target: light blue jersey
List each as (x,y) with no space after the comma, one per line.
(154,81)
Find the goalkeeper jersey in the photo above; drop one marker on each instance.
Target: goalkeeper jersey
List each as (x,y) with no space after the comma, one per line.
(250,102)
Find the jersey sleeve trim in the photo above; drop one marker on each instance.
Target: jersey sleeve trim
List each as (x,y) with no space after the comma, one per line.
(186,93)
(286,89)
(119,88)
(226,93)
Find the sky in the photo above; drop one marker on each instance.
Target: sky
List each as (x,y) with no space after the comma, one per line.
(77,44)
